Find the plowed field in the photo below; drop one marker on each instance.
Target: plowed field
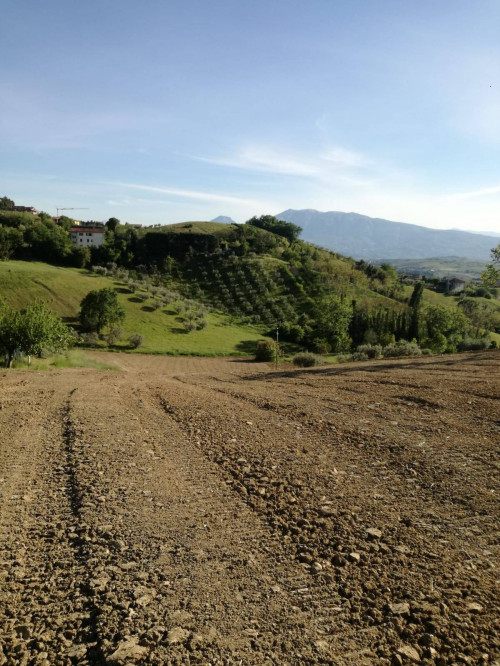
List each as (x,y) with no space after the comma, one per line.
(199,511)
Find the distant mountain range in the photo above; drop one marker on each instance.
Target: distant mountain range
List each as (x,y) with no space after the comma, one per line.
(376,239)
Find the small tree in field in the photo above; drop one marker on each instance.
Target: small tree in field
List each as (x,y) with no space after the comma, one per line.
(265,351)
(99,309)
(31,331)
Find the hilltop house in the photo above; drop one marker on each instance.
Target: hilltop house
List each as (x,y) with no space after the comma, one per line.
(25,209)
(85,236)
(455,285)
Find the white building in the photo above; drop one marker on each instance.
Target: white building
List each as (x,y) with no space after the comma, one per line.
(87,236)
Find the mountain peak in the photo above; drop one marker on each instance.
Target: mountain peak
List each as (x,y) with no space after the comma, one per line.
(369,238)
(224,219)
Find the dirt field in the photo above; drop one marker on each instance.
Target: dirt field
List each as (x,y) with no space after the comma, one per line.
(195,511)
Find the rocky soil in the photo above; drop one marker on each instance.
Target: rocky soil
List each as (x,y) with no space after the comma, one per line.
(199,511)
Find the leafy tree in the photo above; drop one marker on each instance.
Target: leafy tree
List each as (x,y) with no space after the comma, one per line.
(416,306)
(65,222)
(31,331)
(445,327)
(41,329)
(333,317)
(481,317)
(11,240)
(491,275)
(9,328)
(278,227)
(100,308)
(6,203)
(112,223)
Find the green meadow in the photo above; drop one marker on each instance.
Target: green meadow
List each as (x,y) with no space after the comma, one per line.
(62,289)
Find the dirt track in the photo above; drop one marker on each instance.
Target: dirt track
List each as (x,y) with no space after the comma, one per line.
(183,511)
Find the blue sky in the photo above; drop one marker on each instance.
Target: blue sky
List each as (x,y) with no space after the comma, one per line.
(165,111)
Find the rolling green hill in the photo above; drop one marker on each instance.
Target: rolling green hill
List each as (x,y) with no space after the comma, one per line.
(62,289)
(214,289)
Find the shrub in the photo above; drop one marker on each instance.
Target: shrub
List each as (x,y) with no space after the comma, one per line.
(438,343)
(306,360)
(473,344)
(344,358)
(359,356)
(114,335)
(171,296)
(401,348)
(189,326)
(99,270)
(370,351)
(136,341)
(91,338)
(266,350)
(322,346)
(426,351)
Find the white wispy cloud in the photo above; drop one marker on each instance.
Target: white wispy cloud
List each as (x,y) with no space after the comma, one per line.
(333,163)
(190,194)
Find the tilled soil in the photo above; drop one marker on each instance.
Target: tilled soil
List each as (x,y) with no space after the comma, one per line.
(199,511)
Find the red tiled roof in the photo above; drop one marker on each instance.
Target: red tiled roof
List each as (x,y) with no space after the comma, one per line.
(83,230)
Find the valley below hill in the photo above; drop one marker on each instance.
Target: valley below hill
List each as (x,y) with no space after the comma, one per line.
(190,510)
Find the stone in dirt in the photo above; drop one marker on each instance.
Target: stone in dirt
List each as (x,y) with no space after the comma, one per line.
(316,567)
(117,544)
(399,608)
(127,651)
(177,635)
(474,607)
(77,651)
(373,532)
(410,653)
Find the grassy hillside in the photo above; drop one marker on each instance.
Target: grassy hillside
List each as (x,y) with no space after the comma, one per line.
(62,289)
(209,288)
(210,228)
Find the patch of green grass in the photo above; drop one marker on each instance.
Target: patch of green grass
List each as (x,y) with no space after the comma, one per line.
(74,358)
(164,333)
(432,297)
(62,290)
(209,228)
